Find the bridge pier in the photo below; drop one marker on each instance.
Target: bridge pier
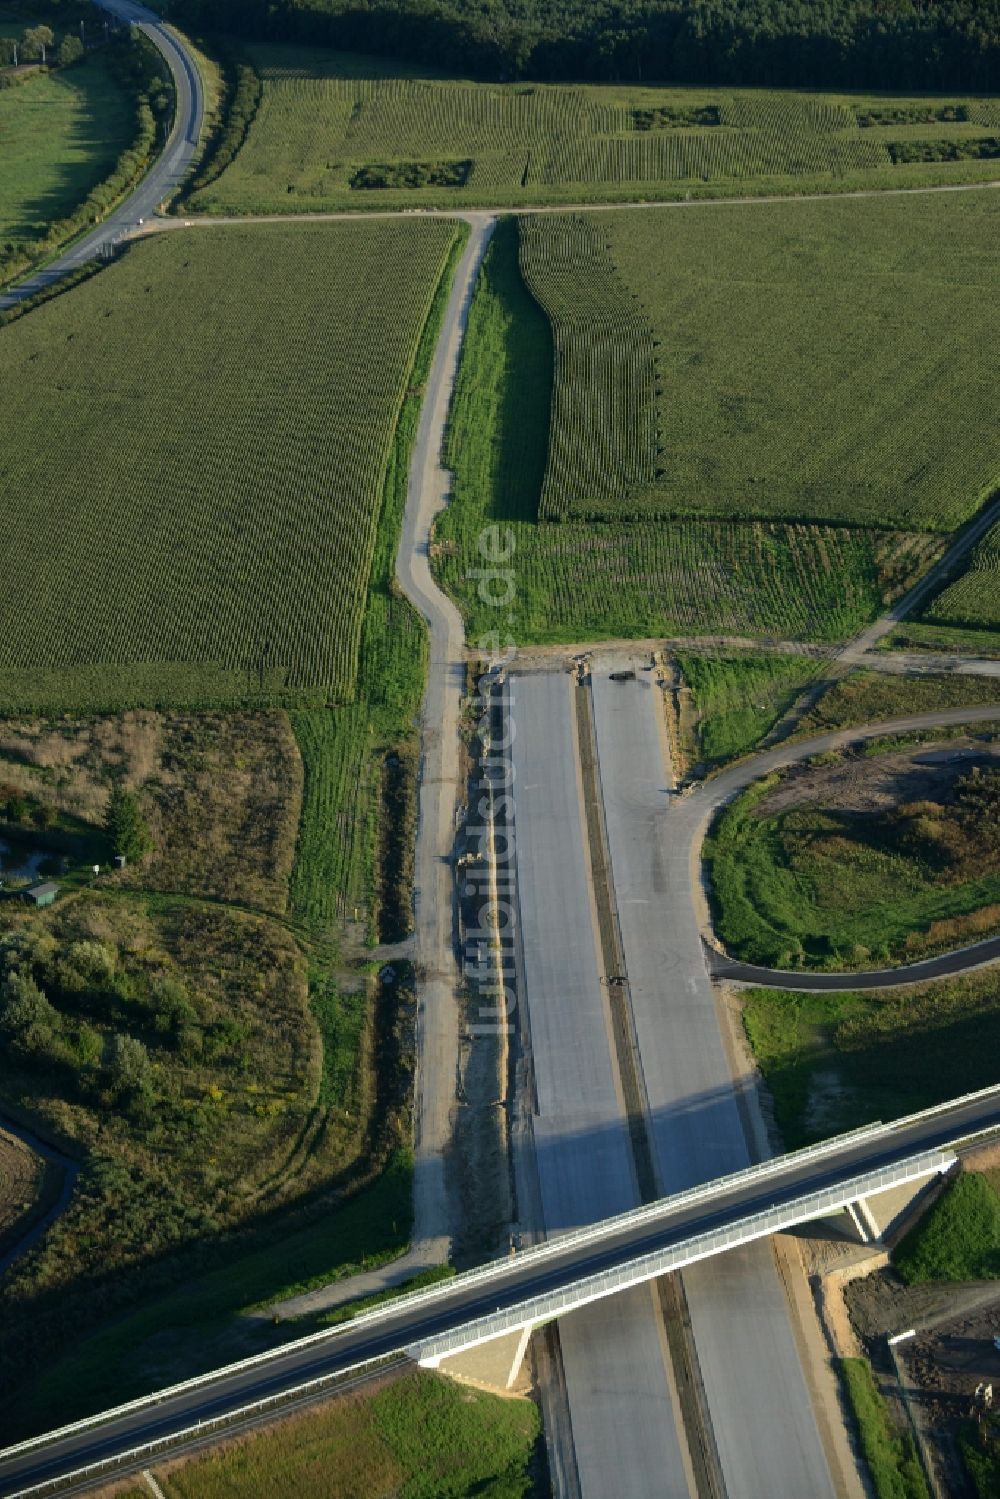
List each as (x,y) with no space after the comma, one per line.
(497,1366)
(865,1223)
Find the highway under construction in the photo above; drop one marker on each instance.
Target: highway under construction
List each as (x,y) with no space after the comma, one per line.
(694,1384)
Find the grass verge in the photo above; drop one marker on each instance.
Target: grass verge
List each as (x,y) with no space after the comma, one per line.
(868,696)
(739,698)
(419,1437)
(890,1454)
(958,1239)
(919,635)
(832,1062)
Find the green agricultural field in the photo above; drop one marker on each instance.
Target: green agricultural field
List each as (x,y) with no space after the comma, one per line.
(865,697)
(193,460)
(832,1062)
(973,600)
(877,863)
(338,130)
(60,135)
(825,361)
(576,581)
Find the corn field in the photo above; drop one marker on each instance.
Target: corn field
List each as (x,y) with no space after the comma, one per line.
(325,118)
(831,361)
(974,598)
(602,439)
(193,455)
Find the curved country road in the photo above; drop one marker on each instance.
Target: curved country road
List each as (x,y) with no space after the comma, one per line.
(696,811)
(164,175)
(437,1005)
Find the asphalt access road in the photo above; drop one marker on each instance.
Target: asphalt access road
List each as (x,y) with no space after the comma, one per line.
(163,177)
(413,1320)
(697,810)
(946,965)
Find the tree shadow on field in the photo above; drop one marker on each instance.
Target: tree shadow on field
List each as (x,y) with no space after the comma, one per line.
(91,134)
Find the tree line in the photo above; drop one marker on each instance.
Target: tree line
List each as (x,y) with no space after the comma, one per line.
(38,44)
(869,44)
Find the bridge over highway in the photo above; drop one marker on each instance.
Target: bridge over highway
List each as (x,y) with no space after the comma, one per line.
(518,1293)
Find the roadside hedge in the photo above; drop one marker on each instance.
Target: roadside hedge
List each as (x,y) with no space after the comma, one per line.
(241,99)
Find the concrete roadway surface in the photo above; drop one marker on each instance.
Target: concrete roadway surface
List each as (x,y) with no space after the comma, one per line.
(416,1319)
(437,1038)
(166,173)
(757,1398)
(624,1432)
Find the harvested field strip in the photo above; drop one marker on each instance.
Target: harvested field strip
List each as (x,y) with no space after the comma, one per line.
(260,375)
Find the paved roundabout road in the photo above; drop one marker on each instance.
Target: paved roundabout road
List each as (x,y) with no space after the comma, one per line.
(698,810)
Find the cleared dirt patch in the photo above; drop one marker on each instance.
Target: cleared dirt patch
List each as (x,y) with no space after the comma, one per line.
(856,782)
